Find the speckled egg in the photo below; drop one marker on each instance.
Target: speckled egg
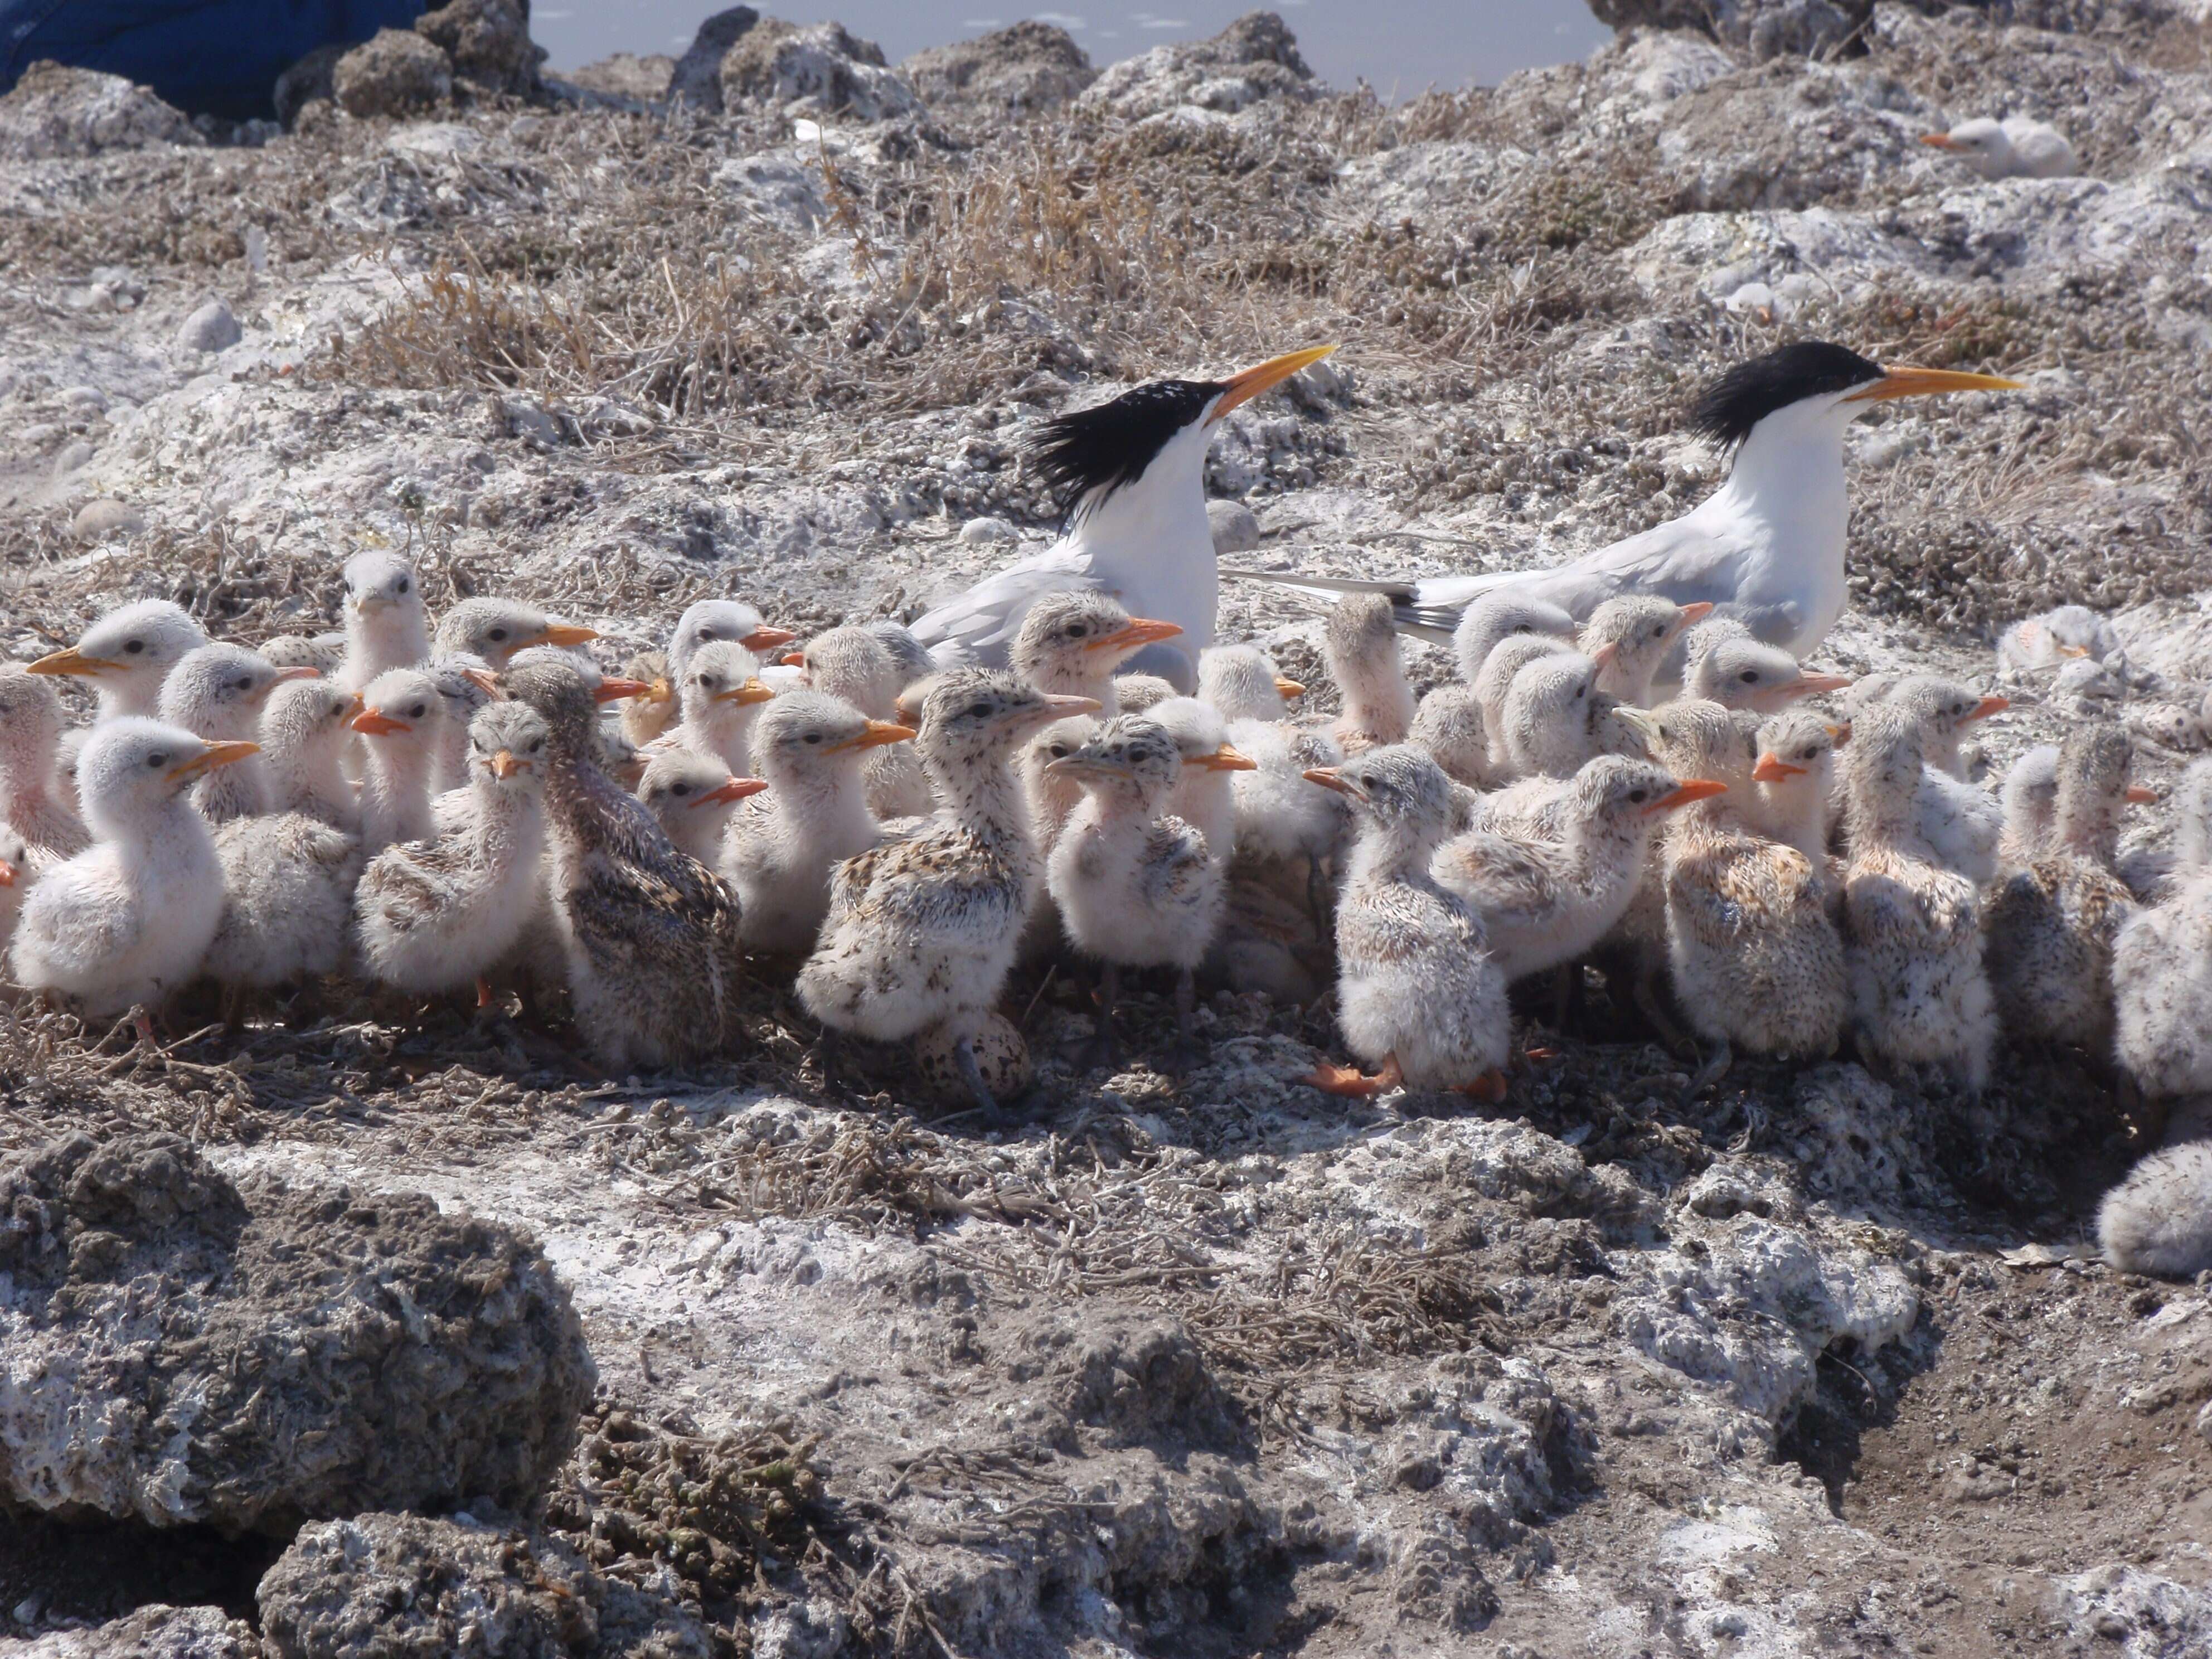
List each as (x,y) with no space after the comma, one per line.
(1000,1054)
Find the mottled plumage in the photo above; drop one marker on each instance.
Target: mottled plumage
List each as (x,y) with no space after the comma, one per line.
(34,802)
(1361,646)
(1630,637)
(288,882)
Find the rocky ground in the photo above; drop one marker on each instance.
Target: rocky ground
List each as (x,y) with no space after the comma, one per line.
(1194,1364)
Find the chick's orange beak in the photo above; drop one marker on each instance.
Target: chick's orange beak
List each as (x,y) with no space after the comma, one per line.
(1329,778)
(1695,612)
(505,764)
(746,695)
(1811,686)
(214,755)
(483,679)
(613,689)
(1225,759)
(1773,769)
(1248,383)
(1288,689)
(74,663)
(299,671)
(2141,794)
(566,634)
(874,735)
(794,660)
(1136,632)
(731,789)
(371,724)
(7,874)
(1906,381)
(767,639)
(1939,141)
(1689,790)
(1987,706)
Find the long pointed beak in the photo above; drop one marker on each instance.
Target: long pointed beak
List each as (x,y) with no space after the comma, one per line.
(2071,650)
(370,724)
(746,695)
(613,689)
(1811,686)
(505,764)
(1939,141)
(1987,706)
(1689,790)
(1773,769)
(1695,612)
(2141,795)
(483,679)
(565,634)
(74,663)
(1080,765)
(1906,381)
(1250,383)
(1225,759)
(1605,654)
(1288,689)
(874,735)
(7,874)
(767,639)
(731,789)
(1329,778)
(299,671)
(794,660)
(215,755)
(1136,632)
(1055,705)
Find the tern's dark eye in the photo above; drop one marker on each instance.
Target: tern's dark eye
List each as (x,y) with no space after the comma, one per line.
(1078,630)
(683,789)
(536,743)
(1637,795)
(979,711)
(814,737)
(1749,677)
(135,646)
(399,586)
(241,685)
(157,761)
(418,712)
(496,635)
(1522,628)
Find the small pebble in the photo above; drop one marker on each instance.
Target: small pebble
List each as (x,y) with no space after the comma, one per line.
(211,328)
(988,532)
(1235,528)
(103,519)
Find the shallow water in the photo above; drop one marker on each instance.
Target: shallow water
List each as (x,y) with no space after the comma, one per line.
(1400,47)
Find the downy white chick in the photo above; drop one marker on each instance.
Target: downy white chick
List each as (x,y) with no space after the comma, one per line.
(288,883)
(434,916)
(1448,725)
(1549,891)
(400,712)
(1794,775)
(2030,802)
(810,747)
(126,655)
(1727,666)
(1498,615)
(1757,964)
(2051,926)
(127,922)
(1279,816)
(2040,645)
(33,799)
(1069,644)
(1629,638)
(1360,644)
(1945,711)
(324,653)
(1494,684)
(1554,719)
(386,624)
(655,711)
(493,629)
(857,665)
(1204,795)
(923,932)
(2014,147)
(725,622)
(305,727)
(1137,886)
(1913,925)
(2162,990)
(217,692)
(1135,693)
(1959,822)
(722,696)
(1419,996)
(693,799)
(2159,1220)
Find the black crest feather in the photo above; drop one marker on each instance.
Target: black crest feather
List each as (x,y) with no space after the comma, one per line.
(1110,444)
(1728,409)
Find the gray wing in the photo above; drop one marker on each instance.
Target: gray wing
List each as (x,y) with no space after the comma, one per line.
(979,626)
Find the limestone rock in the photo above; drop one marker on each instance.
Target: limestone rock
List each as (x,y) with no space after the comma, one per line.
(385,1586)
(55,110)
(211,328)
(697,76)
(836,73)
(100,521)
(488,42)
(176,1351)
(1022,71)
(1236,530)
(156,1632)
(1254,58)
(396,73)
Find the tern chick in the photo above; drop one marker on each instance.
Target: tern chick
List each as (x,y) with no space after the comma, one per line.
(722,696)
(126,655)
(1913,925)
(2159,1220)
(1960,822)
(217,692)
(304,729)
(652,935)
(1500,615)
(1796,775)
(400,715)
(780,851)
(1137,886)
(1629,638)
(1204,794)
(1069,645)
(2030,802)
(727,622)
(2051,926)
(1728,667)
(465,683)
(1362,650)
(433,916)
(2014,147)
(493,629)
(127,922)
(1494,684)
(385,625)
(923,932)
(34,801)
(1418,994)
(693,799)
(1449,725)
(288,882)
(859,666)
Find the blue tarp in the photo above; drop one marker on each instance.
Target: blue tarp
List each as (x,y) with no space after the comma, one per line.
(217,57)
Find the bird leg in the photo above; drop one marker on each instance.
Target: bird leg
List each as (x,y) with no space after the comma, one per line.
(1318,896)
(1490,1086)
(1715,1068)
(484,992)
(1187,1050)
(143,1023)
(971,1073)
(1646,995)
(1347,1080)
(1105,1047)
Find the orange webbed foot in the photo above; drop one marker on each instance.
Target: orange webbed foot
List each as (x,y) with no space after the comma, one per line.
(1490,1086)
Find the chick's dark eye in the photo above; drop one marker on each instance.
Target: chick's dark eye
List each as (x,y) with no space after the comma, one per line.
(683,788)
(400,586)
(1078,630)
(814,737)
(1749,675)
(979,711)
(241,685)
(135,646)
(416,712)
(536,743)
(156,761)
(1637,795)
(497,634)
